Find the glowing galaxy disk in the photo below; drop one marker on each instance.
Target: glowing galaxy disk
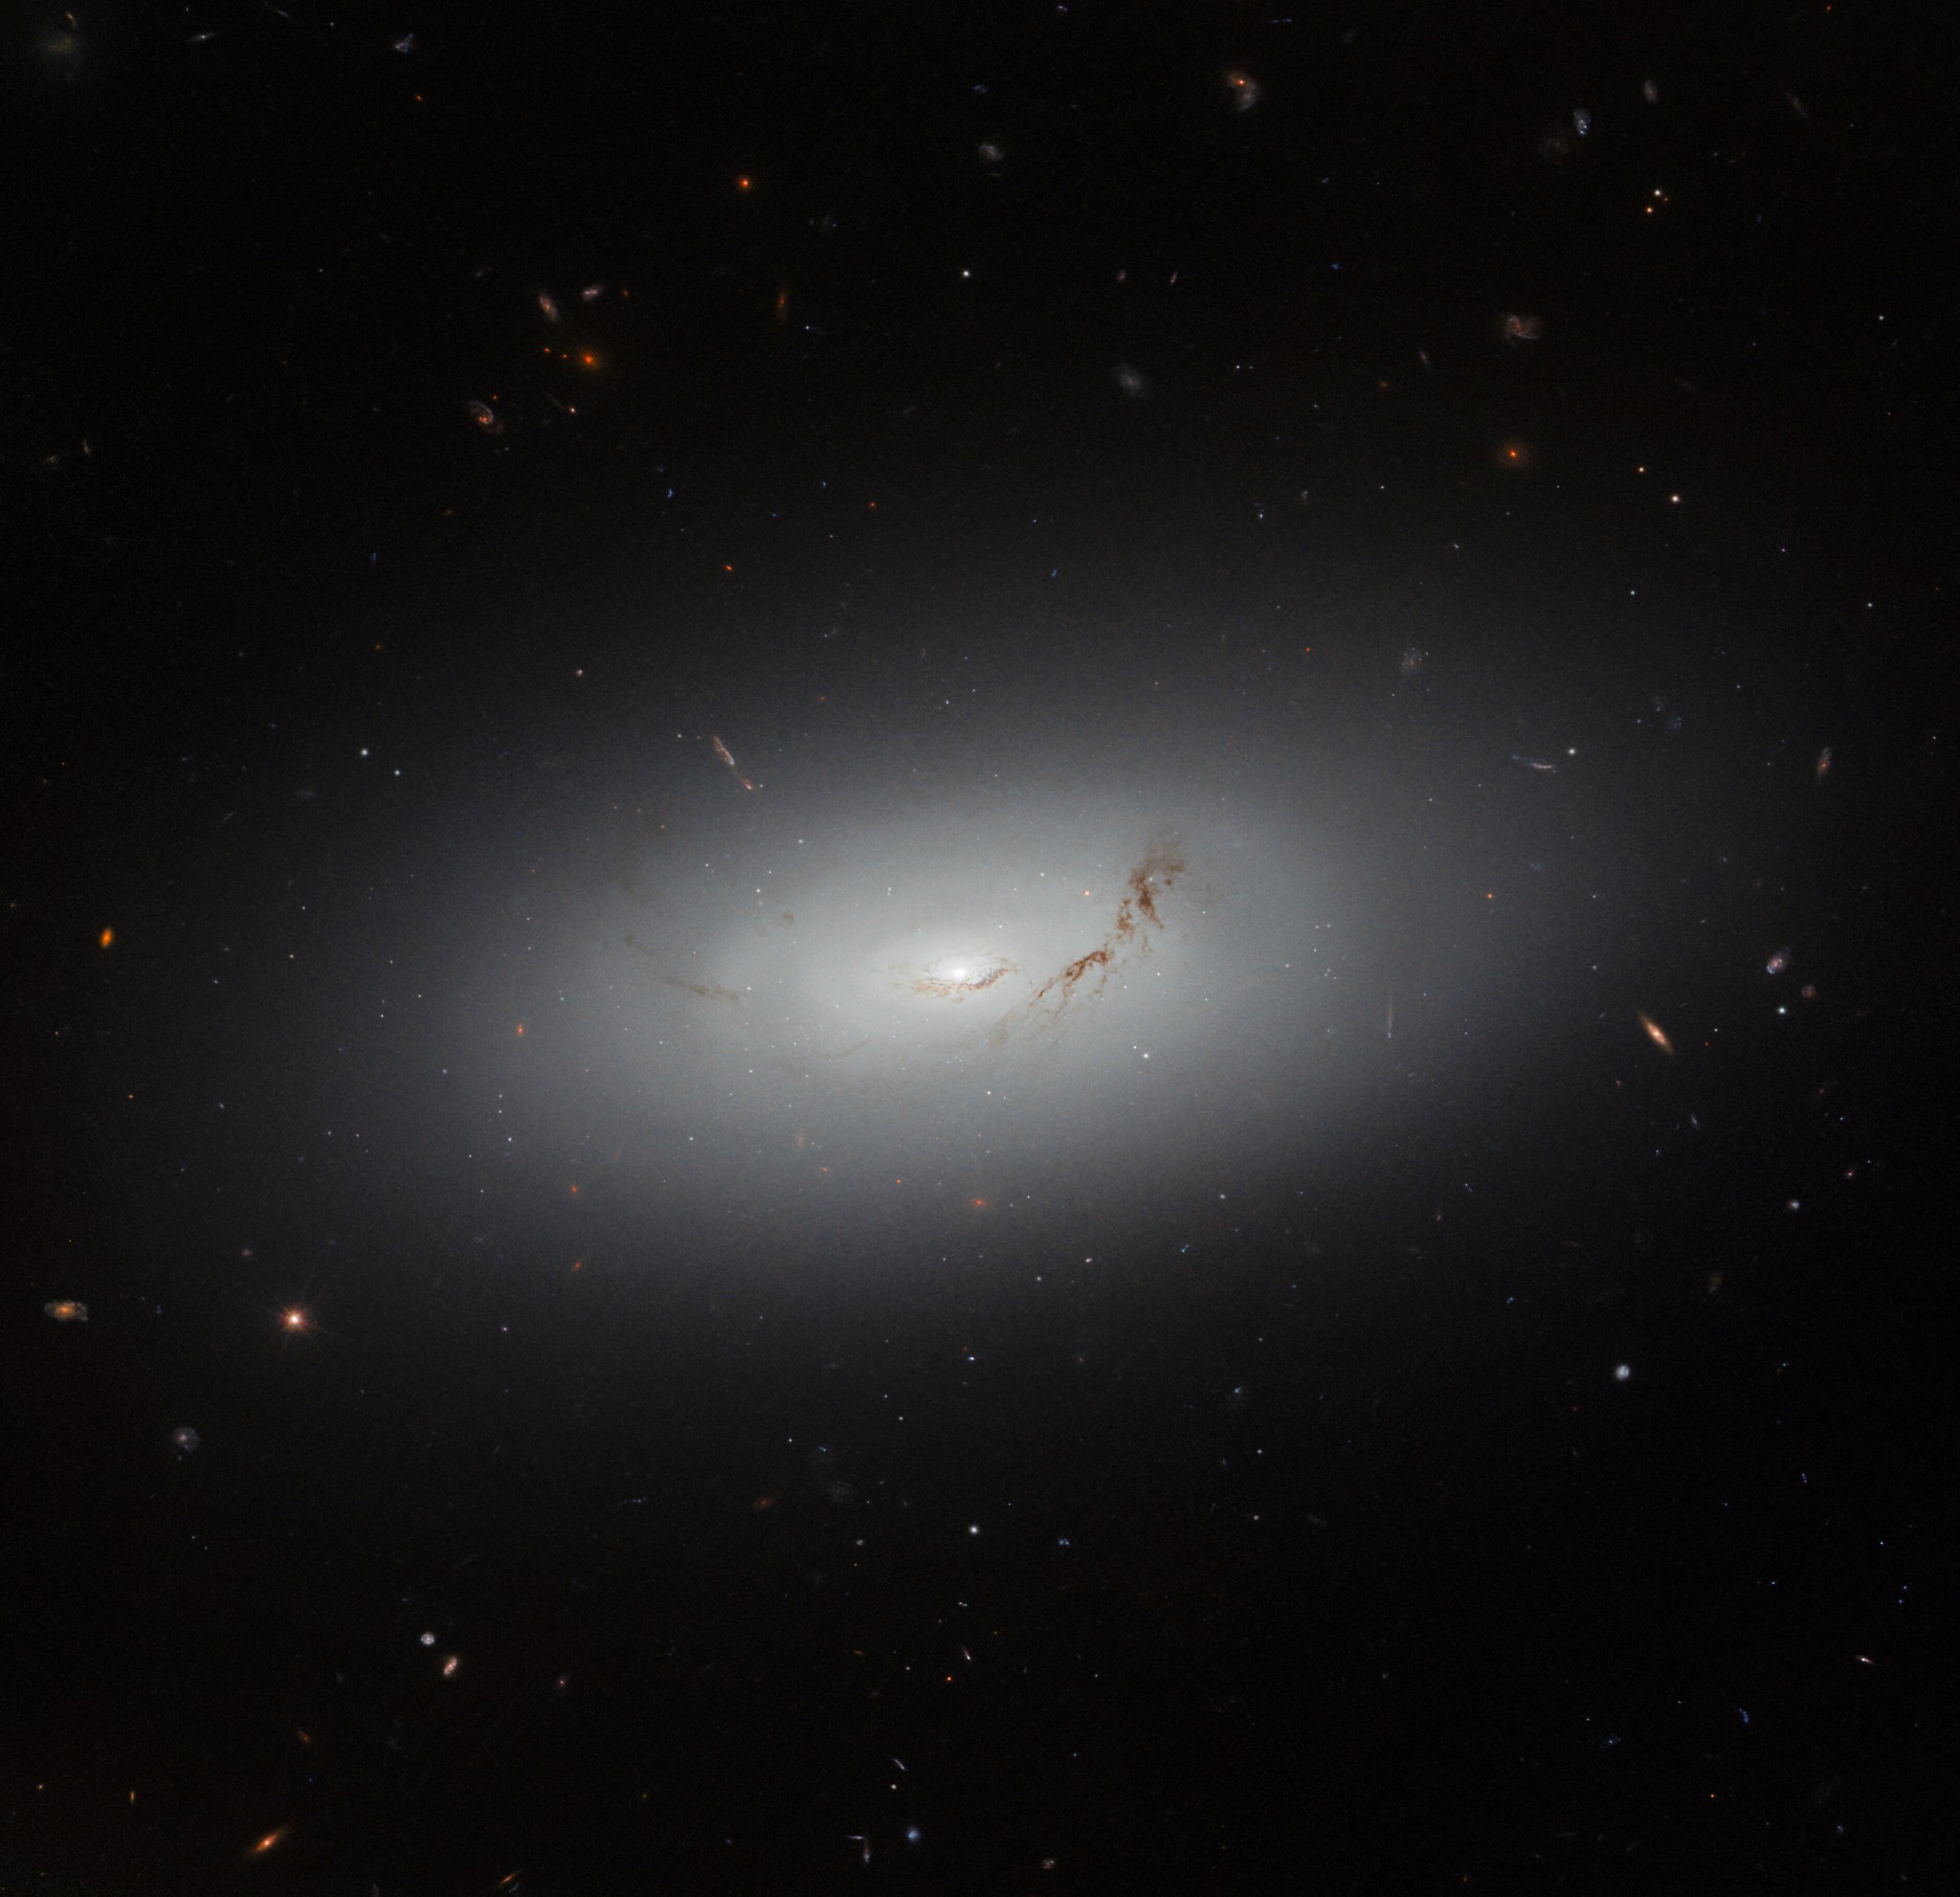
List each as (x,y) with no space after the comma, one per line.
(975,988)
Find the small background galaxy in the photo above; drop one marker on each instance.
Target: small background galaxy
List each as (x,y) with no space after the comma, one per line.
(992,949)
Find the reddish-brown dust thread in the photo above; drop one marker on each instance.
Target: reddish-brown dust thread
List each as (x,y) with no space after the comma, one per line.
(1162,863)
(956,987)
(1071,976)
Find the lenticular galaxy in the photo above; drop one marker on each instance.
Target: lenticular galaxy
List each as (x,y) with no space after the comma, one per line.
(956,972)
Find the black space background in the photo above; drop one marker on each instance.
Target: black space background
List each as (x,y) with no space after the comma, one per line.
(1321,1549)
